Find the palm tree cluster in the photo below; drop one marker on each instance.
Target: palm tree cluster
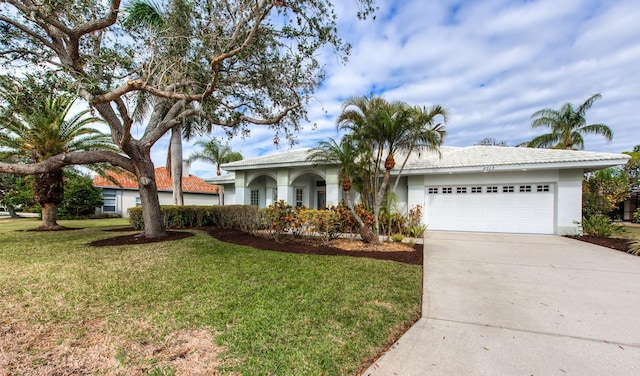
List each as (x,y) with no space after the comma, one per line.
(377,132)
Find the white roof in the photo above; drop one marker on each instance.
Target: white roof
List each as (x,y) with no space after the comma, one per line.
(291,158)
(222,179)
(461,159)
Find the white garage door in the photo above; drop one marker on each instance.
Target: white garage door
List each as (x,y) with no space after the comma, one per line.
(511,208)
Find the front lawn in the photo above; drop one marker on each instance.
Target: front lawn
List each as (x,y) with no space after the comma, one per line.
(190,305)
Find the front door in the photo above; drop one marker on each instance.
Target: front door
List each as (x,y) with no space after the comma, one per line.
(322,199)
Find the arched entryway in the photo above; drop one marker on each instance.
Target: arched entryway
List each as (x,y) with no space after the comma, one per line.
(309,189)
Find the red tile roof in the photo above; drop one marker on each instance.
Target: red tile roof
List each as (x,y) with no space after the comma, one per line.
(127,180)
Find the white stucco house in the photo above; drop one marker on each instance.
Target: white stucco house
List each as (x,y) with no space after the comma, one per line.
(475,188)
(117,198)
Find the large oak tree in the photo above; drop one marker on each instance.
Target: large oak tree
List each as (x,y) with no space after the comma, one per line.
(249,62)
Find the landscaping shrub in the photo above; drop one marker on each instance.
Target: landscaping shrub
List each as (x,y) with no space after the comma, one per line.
(324,223)
(238,217)
(636,216)
(81,198)
(634,247)
(328,224)
(278,218)
(397,238)
(407,225)
(600,225)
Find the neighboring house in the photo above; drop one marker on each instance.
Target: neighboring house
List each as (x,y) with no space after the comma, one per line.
(630,205)
(475,188)
(117,199)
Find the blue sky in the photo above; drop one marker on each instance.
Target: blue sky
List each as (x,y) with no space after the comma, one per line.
(491,63)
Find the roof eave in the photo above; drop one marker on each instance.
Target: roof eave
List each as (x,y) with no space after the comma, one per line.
(272,165)
(584,165)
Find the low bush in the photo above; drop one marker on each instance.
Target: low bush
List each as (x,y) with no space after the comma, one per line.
(636,216)
(600,225)
(398,238)
(634,247)
(278,218)
(238,217)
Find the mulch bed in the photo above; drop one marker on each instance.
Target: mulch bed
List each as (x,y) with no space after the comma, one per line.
(140,239)
(413,257)
(613,243)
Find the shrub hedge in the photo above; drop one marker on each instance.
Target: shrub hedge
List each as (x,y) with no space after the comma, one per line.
(238,217)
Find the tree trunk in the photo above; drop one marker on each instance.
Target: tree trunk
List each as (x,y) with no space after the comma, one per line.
(153,220)
(12,211)
(379,197)
(220,195)
(176,165)
(365,232)
(49,217)
(48,191)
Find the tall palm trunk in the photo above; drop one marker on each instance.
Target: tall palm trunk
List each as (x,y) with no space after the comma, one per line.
(389,164)
(175,152)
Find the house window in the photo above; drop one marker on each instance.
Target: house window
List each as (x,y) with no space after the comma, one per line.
(492,189)
(461,189)
(507,189)
(447,190)
(274,194)
(476,189)
(109,201)
(542,188)
(138,201)
(299,196)
(433,191)
(255,197)
(525,188)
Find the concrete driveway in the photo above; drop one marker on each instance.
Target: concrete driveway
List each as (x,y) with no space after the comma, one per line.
(497,304)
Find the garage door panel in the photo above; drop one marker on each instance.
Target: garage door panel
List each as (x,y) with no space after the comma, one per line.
(516,211)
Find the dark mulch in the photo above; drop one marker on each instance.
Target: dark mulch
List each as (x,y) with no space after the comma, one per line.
(613,243)
(238,237)
(58,228)
(140,239)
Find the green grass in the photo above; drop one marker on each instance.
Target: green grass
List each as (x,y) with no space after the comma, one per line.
(632,231)
(273,313)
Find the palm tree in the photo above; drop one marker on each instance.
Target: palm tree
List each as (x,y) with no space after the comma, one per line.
(346,154)
(424,133)
(390,128)
(568,126)
(217,154)
(387,128)
(37,133)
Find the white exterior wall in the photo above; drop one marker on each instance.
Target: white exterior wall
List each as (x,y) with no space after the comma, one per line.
(402,194)
(415,191)
(569,202)
(126,199)
(229,194)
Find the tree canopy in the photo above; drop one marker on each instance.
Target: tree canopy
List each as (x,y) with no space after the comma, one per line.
(245,62)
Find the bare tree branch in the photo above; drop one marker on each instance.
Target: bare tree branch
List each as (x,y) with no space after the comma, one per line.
(67,159)
(28,31)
